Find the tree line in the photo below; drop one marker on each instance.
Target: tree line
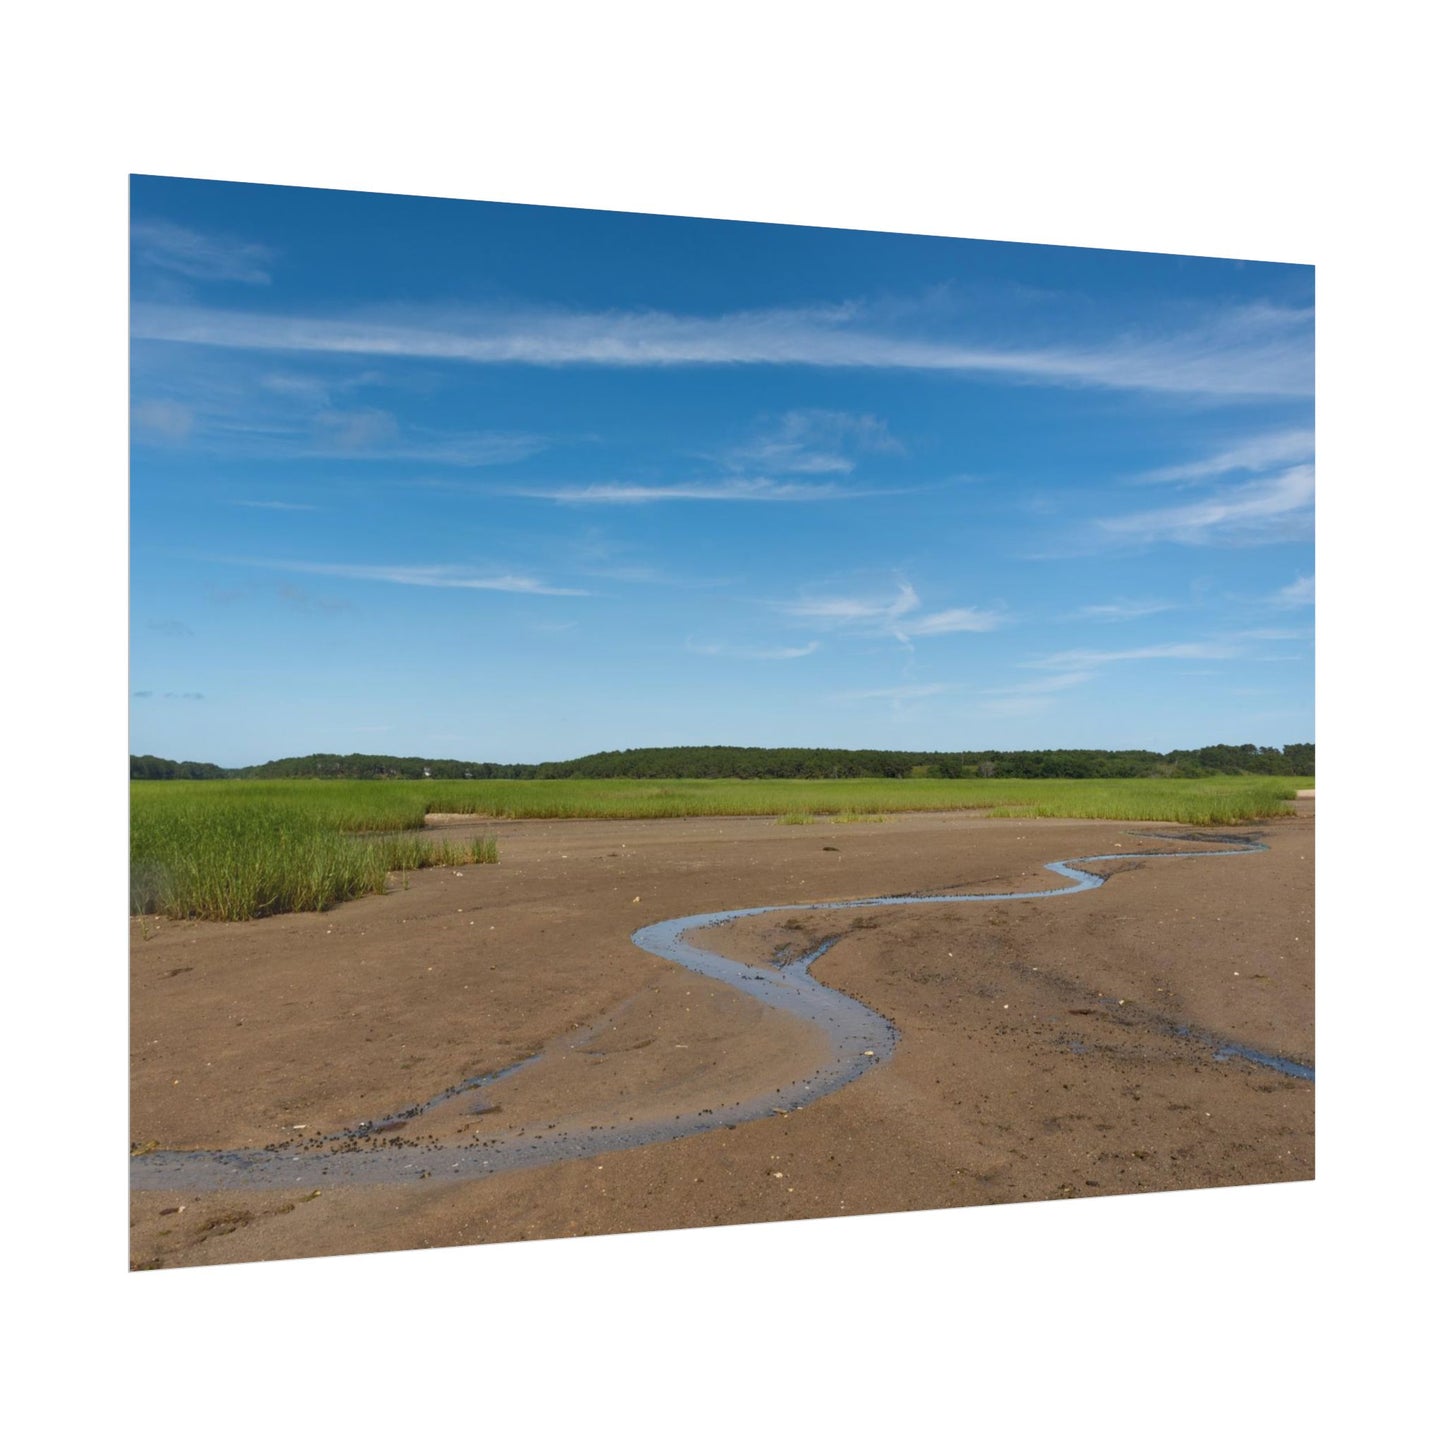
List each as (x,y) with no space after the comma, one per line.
(1292,760)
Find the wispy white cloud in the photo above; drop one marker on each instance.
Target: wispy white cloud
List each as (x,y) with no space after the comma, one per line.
(867,610)
(1271,509)
(362,429)
(198,256)
(737,489)
(1299,593)
(373,433)
(225,404)
(312,390)
(896,616)
(437,575)
(456,449)
(752,654)
(595,551)
(1255,454)
(644,576)
(1123,611)
(161,417)
(1241,644)
(1060,683)
(1252,350)
(954,619)
(1084,658)
(365,434)
(813,441)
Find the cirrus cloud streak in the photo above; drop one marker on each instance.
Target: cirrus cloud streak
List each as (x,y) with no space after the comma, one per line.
(1244,351)
(428,575)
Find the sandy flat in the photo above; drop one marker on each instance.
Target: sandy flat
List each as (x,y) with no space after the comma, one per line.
(1041,1053)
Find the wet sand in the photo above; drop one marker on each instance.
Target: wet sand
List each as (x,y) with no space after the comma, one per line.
(1040,1054)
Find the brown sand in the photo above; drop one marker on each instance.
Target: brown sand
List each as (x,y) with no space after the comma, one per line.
(1039,1057)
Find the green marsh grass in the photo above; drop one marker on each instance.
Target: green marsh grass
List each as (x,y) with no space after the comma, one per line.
(1199,801)
(396,805)
(235,853)
(233,849)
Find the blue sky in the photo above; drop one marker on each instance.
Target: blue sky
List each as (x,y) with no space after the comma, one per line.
(514,483)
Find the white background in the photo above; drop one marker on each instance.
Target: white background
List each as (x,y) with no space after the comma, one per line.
(1255,130)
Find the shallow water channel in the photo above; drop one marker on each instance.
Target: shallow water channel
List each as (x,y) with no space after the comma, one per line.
(859,1039)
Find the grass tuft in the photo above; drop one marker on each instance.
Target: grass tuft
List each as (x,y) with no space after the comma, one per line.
(234,856)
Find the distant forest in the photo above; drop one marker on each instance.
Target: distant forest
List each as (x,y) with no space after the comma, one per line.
(1293,760)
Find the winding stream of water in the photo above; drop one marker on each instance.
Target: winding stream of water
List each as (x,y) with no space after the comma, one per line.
(859,1039)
